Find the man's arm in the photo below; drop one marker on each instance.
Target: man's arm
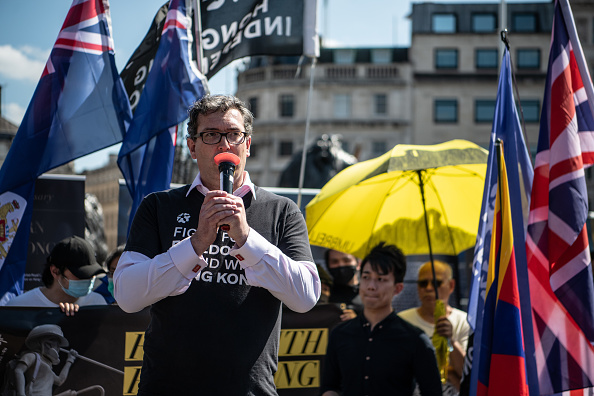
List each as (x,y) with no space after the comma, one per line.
(296,283)
(140,281)
(145,274)
(457,358)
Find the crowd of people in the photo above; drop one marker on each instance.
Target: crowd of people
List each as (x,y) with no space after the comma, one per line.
(261,260)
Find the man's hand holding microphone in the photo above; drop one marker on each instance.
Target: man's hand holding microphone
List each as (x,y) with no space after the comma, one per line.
(221,209)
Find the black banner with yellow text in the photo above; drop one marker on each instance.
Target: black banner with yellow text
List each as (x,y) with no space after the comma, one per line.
(110,343)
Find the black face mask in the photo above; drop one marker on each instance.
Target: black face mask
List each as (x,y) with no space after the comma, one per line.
(342,275)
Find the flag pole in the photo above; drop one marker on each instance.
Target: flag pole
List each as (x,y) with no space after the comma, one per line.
(198,35)
(307,122)
(502,24)
(577,51)
(505,41)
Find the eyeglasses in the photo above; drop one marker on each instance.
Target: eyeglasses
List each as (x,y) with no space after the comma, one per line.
(234,138)
(425,282)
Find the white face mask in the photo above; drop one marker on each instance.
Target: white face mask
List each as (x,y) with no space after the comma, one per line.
(78,288)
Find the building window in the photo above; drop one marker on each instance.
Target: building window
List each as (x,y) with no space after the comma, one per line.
(531,110)
(378,147)
(287,105)
(581,25)
(344,56)
(529,58)
(484,23)
(253,150)
(484,111)
(342,105)
(253,102)
(285,148)
(523,22)
(487,58)
(443,23)
(446,59)
(380,104)
(381,56)
(445,110)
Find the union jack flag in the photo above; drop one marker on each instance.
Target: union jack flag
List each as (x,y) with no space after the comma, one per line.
(559,264)
(79,106)
(84,30)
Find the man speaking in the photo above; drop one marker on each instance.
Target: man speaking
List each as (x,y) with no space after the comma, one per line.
(215,295)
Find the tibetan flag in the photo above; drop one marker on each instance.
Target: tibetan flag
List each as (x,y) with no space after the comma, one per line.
(506,127)
(173,84)
(79,106)
(501,365)
(559,263)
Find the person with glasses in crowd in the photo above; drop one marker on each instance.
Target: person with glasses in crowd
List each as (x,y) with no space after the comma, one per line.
(68,278)
(215,292)
(453,326)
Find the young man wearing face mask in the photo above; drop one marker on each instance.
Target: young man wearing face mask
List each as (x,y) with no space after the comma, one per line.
(68,277)
(344,270)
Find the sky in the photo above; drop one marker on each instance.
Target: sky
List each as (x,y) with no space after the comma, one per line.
(29,29)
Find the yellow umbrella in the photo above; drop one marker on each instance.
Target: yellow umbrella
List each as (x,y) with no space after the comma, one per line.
(401,197)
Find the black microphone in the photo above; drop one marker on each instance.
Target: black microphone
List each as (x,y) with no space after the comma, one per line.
(227,163)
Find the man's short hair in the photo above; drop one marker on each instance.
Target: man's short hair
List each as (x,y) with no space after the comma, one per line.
(447,266)
(209,104)
(385,259)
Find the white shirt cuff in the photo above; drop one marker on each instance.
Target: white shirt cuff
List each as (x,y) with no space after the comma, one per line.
(185,259)
(252,251)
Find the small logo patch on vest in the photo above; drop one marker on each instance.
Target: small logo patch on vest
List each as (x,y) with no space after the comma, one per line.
(239,257)
(183,218)
(196,268)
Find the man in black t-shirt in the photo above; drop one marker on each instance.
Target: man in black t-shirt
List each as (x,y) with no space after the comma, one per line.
(215,295)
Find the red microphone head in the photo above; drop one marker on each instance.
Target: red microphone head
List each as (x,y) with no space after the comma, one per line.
(226,157)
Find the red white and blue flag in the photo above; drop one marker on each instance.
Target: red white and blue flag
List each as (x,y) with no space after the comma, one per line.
(559,263)
(79,106)
(519,175)
(173,84)
(501,364)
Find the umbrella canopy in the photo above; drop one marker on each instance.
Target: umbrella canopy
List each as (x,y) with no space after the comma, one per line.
(381,200)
